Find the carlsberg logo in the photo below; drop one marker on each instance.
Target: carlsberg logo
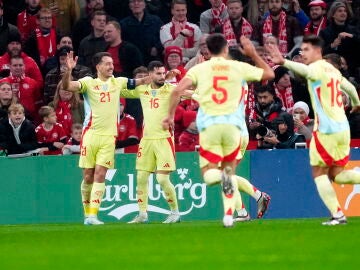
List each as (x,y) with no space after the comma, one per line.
(120,199)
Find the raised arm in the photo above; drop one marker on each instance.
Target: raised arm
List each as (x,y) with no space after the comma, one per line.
(247,48)
(277,58)
(68,84)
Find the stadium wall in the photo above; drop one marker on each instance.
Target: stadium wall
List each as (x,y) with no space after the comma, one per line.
(45,189)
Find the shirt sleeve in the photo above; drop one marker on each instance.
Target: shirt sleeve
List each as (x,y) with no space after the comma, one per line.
(350,89)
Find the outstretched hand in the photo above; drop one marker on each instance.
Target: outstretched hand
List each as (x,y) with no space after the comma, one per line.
(247,47)
(274,54)
(70,61)
(172,74)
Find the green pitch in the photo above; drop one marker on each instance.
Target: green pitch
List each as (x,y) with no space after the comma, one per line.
(258,244)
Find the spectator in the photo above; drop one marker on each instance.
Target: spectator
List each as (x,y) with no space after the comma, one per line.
(202,55)
(53,62)
(288,90)
(236,25)
(318,20)
(67,12)
(279,24)
(14,48)
(17,134)
(126,56)
(50,135)
(213,18)
(257,11)
(68,107)
(189,138)
(94,42)
(160,8)
(26,20)
(7,98)
(267,107)
(342,38)
(302,122)
(42,42)
(6,30)
(292,7)
(26,89)
(284,136)
(140,21)
(83,27)
(73,144)
(53,77)
(173,60)
(127,139)
(13,8)
(179,32)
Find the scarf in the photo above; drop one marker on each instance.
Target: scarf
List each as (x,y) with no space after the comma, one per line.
(176,29)
(267,31)
(64,117)
(216,20)
(46,44)
(310,28)
(228,31)
(286,97)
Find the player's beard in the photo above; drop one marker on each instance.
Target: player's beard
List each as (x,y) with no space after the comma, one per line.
(158,84)
(274,12)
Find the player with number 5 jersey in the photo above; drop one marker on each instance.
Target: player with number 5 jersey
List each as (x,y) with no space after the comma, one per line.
(330,144)
(221,92)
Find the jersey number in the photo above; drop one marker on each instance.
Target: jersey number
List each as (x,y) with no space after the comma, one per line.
(334,92)
(221,94)
(104,97)
(154,103)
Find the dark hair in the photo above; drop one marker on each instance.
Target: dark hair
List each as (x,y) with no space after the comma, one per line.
(314,40)
(334,59)
(216,43)
(140,69)
(99,13)
(97,58)
(155,64)
(265,88)
(178,2)
(45,111)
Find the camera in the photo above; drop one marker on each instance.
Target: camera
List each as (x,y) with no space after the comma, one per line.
(263,131)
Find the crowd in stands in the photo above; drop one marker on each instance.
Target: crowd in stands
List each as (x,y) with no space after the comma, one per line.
(37,114)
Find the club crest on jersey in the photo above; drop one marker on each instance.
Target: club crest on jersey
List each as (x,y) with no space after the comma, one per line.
(105,87)
(153,93)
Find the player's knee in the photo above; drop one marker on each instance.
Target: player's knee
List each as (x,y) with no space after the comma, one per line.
(212,176)
(163,179)
(142,177)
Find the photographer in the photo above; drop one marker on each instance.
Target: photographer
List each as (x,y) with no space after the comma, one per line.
(283,136)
